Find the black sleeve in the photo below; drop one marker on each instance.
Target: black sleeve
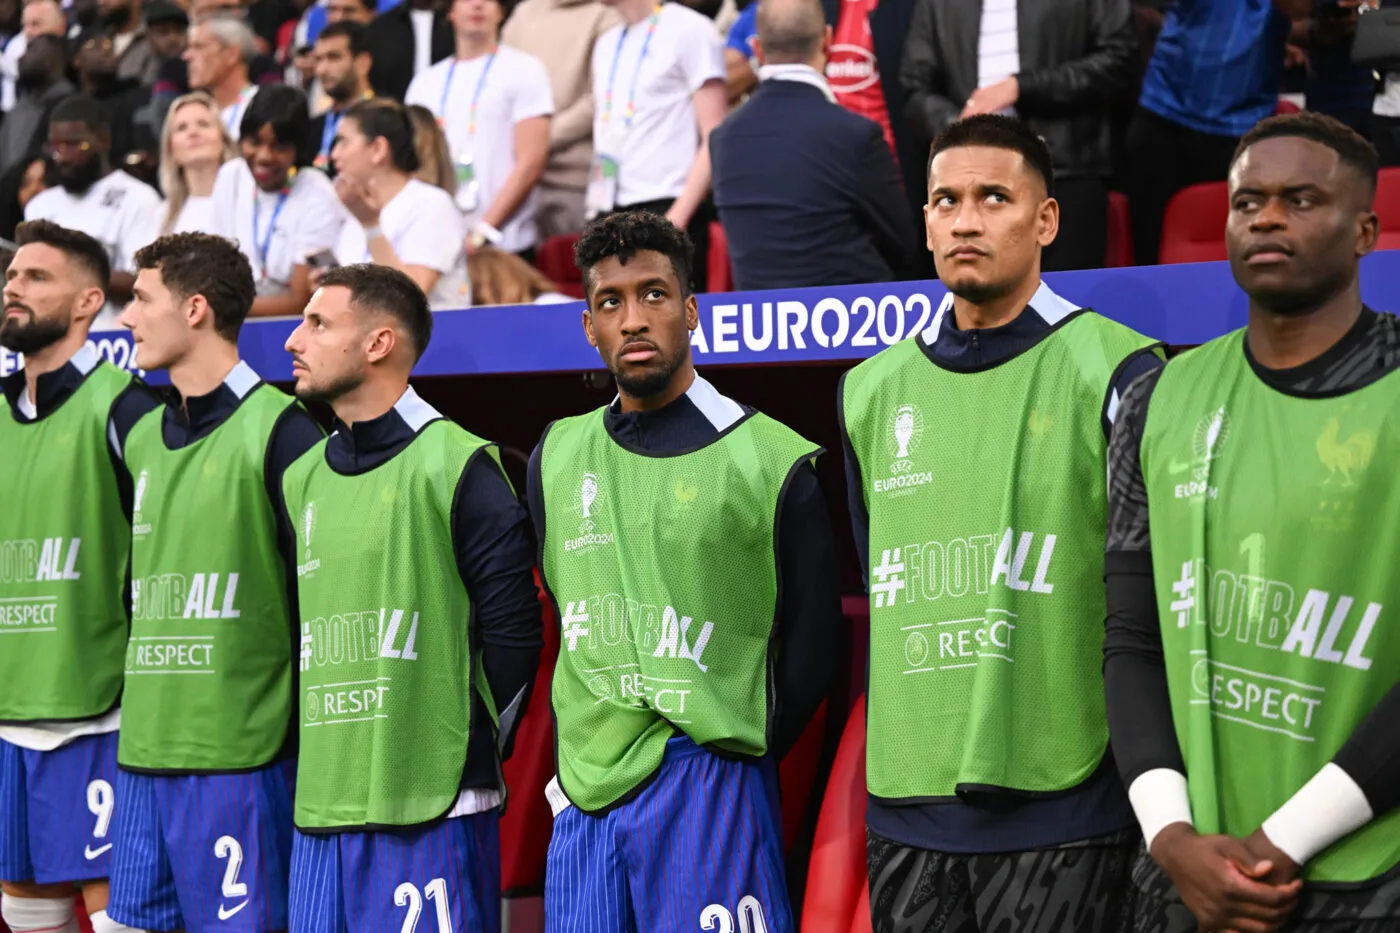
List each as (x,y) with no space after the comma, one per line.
(855,488)
(1104,76)
(491,537)
(1135,365)
(810,626)
(927,108)
(295,433)
(1371,755)
(534,495)
(883,206)
(129,407)
(1140,723)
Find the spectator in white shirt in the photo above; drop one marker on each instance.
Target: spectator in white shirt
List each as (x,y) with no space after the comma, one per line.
(121,213)
(220,48)
(279,209)
(494,103)
(193,145)
(398,220)
(39,18)
(658,79)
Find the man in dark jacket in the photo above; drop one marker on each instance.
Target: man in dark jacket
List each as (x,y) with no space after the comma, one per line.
(808,192)
(42,84)
(1060,65)
(395,37)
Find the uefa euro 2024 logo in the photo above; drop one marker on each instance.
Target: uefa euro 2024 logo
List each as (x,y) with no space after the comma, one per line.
(906,432)
(587,495)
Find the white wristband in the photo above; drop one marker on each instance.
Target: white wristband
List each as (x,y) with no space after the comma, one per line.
(371,232)
(488,233)
(1160,798)
(1325,809)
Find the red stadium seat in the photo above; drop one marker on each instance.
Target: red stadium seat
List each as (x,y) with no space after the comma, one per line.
(527,824)
(1285,106)
(555,258)
(721,274)
(1193,229)
(1120,232)
(1388,208)
(836,876)
(861,921)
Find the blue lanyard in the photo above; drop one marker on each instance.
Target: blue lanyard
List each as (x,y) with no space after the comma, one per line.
(266,240)
(328,135)
(476,95)
(236,117)
(612,75)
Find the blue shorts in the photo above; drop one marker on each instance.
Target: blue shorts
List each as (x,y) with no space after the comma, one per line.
(703,842)
(57,809)
(442,878)
(204,852)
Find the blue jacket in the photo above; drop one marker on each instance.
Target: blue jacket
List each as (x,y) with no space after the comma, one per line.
(809,193)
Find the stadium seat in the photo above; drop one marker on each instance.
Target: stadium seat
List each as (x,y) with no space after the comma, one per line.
(1285,106)
(1120,232)
(527,823)
(555,258)
(721,274)
(1388,208)
(1193,229)
(836,876)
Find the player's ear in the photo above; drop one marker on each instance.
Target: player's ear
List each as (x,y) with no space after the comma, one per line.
(588,328)
(380,343)
(90,302)
(197,311)
(692,312)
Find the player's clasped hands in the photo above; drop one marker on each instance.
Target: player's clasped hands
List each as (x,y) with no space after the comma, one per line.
(1230,885)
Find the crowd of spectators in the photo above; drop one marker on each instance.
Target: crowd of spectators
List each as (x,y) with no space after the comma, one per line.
(450,138)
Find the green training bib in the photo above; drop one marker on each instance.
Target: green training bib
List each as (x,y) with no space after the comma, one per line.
(388,660)
(987,508)
(1274,549)
(663,569)
(208,668)
(64,540)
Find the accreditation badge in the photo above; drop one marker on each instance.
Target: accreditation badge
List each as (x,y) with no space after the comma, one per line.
(601,196)
(468,189)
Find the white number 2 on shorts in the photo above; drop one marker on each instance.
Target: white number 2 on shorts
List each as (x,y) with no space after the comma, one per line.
(718,918)
(228,847)
(99,801)
(406,895)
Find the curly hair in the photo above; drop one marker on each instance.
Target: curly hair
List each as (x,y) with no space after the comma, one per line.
(1350,146)
(626,233)
(199,264)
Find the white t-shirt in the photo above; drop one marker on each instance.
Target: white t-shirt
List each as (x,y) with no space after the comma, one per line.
(232,115)
(309,220)
(422,21)
(516,88)
(655,154)
(120,212)
(196,215)
(9,70)
(426,229)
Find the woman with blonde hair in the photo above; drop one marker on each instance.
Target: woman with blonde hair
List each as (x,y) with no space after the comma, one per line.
(502,278)
(435,161)
(193,145)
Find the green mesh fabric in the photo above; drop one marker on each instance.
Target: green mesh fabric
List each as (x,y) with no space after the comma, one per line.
(1274,553)
(208,667)
(64,541)
(386,654)
(987,514)
(663,571)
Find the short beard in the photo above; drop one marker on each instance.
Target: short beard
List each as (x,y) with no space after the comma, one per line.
(330,391)
(649,383)
(78,180)
(31,336)
(979,293)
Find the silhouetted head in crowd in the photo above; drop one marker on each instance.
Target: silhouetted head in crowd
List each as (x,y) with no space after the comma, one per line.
(167,29)
(119,15)
(636,276)
(990,211)
(792,32)
(1301,192)
(96,63)
(36,178)
(273,135)
(190,288)
(56,283)
(343,62)
(79,140)
(351,11)
(43,64)
(365,323)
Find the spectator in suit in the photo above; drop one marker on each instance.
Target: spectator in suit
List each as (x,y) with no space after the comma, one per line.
(42,84)
(405,41)
(1060,65)
(808,192)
